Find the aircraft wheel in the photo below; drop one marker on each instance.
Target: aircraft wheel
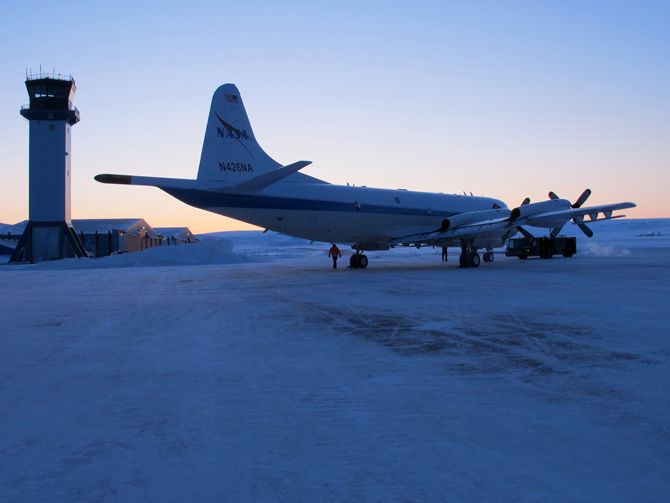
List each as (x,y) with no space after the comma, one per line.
(463,260)
(362,261)
(474,259)
(354,261)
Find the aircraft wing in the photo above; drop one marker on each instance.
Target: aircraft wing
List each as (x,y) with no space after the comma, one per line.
(553,219)
(493,228)
(500,224)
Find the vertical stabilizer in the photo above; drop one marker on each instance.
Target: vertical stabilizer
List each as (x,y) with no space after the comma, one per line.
(230,152)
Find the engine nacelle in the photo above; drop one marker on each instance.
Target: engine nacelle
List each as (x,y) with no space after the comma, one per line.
(472,218)
(529,210)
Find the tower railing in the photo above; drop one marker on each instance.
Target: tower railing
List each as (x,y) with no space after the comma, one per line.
(48,75)
(27,107)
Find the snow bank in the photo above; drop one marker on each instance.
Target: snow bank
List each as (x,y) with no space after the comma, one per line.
(206,251)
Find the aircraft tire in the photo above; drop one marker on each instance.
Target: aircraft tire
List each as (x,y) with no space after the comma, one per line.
(463,260)
(474,259)
(354,261)
(362,261)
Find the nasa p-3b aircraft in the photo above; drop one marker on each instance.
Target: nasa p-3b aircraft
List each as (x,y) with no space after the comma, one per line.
(238,179)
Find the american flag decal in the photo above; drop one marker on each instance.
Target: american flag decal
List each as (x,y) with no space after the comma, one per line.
(231,98)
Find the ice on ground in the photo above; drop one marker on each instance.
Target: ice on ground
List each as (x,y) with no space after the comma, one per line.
(275,378)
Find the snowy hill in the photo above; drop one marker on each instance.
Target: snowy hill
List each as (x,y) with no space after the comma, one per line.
(243,368)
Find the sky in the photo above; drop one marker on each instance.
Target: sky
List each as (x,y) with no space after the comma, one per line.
(506,99)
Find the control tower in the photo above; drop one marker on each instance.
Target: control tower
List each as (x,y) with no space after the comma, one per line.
(49,234)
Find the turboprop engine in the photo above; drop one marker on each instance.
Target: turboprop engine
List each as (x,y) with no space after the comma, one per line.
(545,213)
(473,218)
(528,210)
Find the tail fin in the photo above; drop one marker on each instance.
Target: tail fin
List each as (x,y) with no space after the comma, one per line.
(230,152)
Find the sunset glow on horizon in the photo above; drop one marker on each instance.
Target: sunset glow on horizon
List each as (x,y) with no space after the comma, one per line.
(503,99)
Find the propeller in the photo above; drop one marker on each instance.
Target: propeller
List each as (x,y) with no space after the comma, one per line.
(582,199)
(525,233)
(577,204)
(579,221)
(585,229)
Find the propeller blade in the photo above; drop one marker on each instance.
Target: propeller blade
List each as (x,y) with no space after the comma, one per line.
(585,229)
(582,199)
(525,201)
(552,195)
(525,233)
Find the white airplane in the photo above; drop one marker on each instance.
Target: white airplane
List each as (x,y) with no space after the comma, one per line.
(238,179)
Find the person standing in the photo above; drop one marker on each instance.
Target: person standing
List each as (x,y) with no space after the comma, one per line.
(444,254)
(334,253)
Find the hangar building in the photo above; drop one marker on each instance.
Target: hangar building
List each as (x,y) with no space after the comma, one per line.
(102,237)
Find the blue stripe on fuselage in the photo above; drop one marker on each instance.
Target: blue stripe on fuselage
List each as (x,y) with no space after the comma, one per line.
(209,199)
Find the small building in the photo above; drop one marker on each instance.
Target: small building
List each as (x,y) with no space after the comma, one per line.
(116,235)
(176,235)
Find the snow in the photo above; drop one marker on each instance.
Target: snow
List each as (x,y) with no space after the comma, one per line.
(243,368)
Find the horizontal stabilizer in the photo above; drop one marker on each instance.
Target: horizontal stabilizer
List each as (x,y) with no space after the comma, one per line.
(269,178)
(117,179)
(151,181)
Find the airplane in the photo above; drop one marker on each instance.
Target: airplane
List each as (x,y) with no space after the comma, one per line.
(236,178)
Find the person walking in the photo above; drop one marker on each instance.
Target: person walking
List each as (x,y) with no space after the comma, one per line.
(334,253)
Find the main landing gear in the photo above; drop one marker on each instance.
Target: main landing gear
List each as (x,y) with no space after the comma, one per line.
(470,258)
(358,260)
